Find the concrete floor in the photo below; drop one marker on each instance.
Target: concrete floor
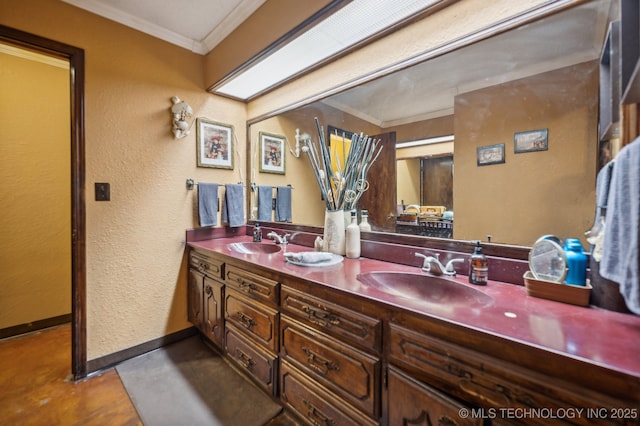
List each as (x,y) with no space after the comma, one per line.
(35,385)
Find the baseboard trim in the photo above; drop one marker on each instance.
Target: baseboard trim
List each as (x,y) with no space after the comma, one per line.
(115,358)
(34,326)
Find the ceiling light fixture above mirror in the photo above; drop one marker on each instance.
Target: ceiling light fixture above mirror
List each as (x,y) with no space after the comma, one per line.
(349,26)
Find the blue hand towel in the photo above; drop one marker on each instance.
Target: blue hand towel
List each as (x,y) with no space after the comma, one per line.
(265,196)
(208,204)
(233,205)
(620,258)
(283,204)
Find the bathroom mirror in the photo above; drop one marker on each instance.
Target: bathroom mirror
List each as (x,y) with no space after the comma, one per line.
(539,78)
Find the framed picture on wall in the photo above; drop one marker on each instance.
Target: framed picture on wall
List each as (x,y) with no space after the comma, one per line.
(534,140)
(340,144)
(490,154)
(215,144)
(272,153)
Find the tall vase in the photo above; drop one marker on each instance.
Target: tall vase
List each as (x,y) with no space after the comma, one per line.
(334,236)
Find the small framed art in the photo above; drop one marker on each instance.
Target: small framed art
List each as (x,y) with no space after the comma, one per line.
(534,140)
(490,154)
(272,153)
(215,144)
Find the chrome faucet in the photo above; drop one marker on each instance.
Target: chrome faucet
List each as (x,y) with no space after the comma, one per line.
(277,238)
(433,265)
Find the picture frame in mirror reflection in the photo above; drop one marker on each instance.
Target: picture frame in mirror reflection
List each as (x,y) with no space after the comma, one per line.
(272,153)
(531,141)
(490,154)
(214,144)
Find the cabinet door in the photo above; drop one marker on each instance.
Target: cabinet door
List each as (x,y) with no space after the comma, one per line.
(213,317)
(195,298)
(410,402)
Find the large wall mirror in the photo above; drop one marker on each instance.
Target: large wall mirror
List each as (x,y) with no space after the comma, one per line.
(519,115)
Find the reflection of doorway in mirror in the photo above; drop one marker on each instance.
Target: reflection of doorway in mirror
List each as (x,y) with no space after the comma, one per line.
(437,182)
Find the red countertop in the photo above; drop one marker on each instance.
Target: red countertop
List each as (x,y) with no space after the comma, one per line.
(596,336)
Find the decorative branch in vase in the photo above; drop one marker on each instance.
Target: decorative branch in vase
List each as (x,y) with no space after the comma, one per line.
(341,185)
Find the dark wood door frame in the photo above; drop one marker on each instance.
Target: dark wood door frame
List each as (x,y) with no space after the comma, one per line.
(75,56)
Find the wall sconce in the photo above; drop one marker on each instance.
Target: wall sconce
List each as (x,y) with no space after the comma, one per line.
(299,138)
(181,112)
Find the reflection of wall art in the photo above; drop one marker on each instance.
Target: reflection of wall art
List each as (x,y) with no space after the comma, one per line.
(215,144)
(490,154)
(272,153)
(340,143)
(535,140)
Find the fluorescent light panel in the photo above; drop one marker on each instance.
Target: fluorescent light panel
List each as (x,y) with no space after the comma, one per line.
(427,141)
(353,23)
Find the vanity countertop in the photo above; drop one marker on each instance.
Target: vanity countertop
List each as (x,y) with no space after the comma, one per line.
(595,336)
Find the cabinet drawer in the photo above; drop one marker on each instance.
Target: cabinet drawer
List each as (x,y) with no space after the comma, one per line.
(358,329)
(410,403)
(487,381)
(251,284)
(257,321)
(206,265)
(350,373)
(313,404)
(260,364)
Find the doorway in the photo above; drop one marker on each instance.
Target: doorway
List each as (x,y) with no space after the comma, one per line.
(75,57)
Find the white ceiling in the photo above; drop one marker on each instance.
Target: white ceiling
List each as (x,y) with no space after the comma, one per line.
(197,25)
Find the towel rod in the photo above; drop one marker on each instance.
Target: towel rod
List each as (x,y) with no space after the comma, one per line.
(254,186)
(191,184)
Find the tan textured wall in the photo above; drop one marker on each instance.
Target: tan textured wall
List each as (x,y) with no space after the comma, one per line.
(461,18)
(547,192)
(136,276)
(35,157)
(408,180)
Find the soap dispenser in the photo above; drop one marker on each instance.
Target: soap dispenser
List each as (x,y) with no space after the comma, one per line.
(478,267)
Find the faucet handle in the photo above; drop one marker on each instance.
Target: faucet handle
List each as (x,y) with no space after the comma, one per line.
(450,267)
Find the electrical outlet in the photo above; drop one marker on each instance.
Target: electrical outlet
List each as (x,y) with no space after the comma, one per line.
(103,191)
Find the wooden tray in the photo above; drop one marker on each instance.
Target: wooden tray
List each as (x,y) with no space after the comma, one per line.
(567,293)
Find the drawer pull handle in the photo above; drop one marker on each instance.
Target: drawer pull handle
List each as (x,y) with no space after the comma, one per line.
(245,320)
(245,360)
(247,286)
(316,416)
(319,364)
(203,267)
(209,291)
(498,396)
(446,421)
(322,318)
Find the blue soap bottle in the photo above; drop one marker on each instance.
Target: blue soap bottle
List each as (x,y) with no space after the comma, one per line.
(576,262)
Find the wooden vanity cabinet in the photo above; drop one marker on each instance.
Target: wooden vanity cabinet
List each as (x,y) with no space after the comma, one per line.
(205,296)
(252,324)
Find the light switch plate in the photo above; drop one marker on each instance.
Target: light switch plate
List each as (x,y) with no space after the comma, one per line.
(103,191)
